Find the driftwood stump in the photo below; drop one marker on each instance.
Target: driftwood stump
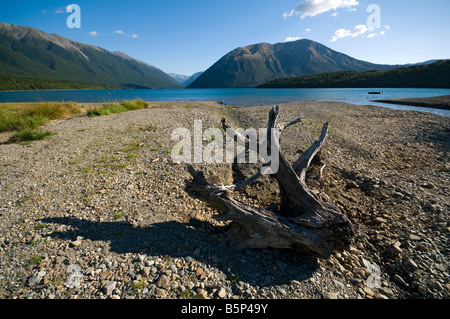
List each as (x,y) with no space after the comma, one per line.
(303,222)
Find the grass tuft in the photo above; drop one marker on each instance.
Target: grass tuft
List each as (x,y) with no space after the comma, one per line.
(26,118)
(115,108)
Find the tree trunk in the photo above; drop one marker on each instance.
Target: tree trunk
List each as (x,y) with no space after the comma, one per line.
(303,222)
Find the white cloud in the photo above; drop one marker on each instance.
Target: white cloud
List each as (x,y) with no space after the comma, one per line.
(356,31)
(119,32)
(64,9)
(288,14)
(289,39)
(372,35)
(44,11)
(312,8)
(93,33)
(387,27)
(134,36)
(308,30)
(335,14)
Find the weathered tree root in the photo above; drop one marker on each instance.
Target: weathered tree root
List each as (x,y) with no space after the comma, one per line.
(303,222)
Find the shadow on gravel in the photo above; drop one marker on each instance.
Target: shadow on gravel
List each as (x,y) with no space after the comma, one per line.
(256,267)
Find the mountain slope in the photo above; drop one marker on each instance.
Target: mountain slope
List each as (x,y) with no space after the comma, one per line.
(192,78)
(254,64)
(25,51)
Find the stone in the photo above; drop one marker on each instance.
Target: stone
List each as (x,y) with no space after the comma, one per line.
(368,291)
(202,293)
(163,282)
(34,280)
(387,292)
(399,280)
(75,243)
(396,249)
(414,237)
(109,287)
(174,269)
(282,291)
(338,284)
(222,293)
(161,293)
(380,220)
(440,267)
(412,263)
(146,271)
(333,295)
(200,273)
(105,275)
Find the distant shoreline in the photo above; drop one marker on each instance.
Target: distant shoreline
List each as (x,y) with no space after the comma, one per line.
(436,102)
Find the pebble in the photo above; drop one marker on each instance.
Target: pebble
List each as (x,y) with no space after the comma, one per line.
(368,291)
(222,293)
(163,282)
(109,287)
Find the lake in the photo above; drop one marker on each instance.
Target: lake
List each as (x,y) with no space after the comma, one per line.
(236,97)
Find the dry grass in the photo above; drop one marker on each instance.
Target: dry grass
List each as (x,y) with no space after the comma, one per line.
(26,118)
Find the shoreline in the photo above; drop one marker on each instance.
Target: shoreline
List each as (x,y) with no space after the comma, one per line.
(437,102)
(103,194)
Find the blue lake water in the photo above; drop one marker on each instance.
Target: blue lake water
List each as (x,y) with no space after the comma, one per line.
(236,97)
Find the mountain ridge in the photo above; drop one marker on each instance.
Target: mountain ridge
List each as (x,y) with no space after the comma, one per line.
(25,51)
(254,64)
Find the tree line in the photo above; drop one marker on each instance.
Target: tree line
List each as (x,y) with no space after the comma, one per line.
(434,75)
(19,83)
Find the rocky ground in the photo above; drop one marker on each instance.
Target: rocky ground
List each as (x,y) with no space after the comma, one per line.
(99,210)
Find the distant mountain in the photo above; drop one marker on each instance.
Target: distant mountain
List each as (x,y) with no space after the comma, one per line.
(255,64)
(28,52)
(192,78)
(434,75)
(180,78)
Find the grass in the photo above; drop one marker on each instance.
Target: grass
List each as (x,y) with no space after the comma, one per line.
(25,118)
(36,260)
(115,108)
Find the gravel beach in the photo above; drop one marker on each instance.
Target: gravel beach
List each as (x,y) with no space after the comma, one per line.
(99,210)
(437,102)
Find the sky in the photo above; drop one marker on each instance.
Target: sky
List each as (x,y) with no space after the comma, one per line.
(185,37)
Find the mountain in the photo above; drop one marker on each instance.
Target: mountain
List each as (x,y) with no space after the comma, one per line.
(192,78)
(180,78)
(185,80)
(434,75)
(254,64)
(28,52)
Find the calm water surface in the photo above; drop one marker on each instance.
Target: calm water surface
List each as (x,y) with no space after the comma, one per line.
(236,97)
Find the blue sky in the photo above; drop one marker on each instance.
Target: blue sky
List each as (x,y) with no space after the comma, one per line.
(189,36)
